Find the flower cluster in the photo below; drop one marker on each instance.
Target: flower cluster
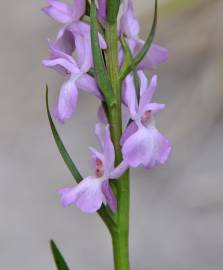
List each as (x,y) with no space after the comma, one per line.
(71,55)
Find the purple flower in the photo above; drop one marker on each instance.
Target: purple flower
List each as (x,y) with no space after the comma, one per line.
(102,5)
(70,16)
(129,26)
(65,13)
(142,144)
(73,37)
(89,194)
(76,70)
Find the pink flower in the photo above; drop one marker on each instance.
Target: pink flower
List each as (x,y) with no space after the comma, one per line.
(89,194)
(70,16)
(74,37)
(76,71)
(142,144)
(129,26)
(64,13)
(102,10)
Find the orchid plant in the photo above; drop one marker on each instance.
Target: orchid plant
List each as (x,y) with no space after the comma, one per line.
(98,50)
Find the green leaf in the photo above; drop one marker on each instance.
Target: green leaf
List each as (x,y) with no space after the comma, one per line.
(139,57)
(58,258)
(66,157)
(99,64)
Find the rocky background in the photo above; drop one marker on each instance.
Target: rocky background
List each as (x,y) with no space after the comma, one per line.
(177,210)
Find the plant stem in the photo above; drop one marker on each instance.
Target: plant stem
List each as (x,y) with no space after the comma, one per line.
(120,236)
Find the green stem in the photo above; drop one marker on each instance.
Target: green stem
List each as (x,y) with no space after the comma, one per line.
(120,236)
(113,72)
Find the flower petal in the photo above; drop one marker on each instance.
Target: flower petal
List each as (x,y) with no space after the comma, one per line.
(128,24)
(144,82)
(88,84)
(147,94)
(60,6)
(154,107)
(79,8)
(63,46)
(61,64)
(102,4)
(96,155)
(156,55)
(64,42)
(87,195)
(57,15)
(109,196)
(119,170)
(147,147)
(67,101)
(109,151)
(83,51)
(131,129)
(161,148)
(129,95)
(102,42)
(80,27)
(138,148)
(125,116)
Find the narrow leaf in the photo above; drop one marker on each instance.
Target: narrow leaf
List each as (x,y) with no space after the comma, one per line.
(99,64)
(66,157)
(139,57)
(58,258)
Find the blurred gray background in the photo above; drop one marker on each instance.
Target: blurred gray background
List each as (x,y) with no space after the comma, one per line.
(176,210)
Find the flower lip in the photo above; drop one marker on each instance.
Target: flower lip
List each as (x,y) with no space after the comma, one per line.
(99,168)
(146,117)
(67,72)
